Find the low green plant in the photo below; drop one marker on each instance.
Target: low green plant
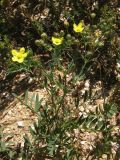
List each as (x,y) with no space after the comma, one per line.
(6,152)
(4,49)
(52,132)
(80,39)
(21,63)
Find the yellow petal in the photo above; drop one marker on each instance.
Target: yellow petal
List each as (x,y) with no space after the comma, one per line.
(22,50)
(79,27)
(25,54)
(14,59)
(75,27)
(20,60)
(17,59)
(14,52)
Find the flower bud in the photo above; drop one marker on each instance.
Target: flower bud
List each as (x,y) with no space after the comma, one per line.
(69,41)
(66,23)
(68,36)
(50,49)
(93,15)
(94,26)
(76,41)
(62,33)
(73,38)
(44,35)
(39,42)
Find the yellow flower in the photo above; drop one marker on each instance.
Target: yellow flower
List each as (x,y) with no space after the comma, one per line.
(19,56)
(18,59)
(78,28)
(57,41)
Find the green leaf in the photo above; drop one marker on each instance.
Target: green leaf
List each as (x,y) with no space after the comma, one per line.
(33,133)
(51,147)
(69,152)
(26,98)
(99,125)
(37,103)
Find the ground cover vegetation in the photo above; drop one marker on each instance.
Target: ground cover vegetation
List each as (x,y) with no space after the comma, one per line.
(69,52)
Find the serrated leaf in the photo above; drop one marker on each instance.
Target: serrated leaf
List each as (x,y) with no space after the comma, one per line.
(51,147)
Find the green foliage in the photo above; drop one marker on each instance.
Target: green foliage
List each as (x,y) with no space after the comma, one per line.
(52,132)
(5,149)
(92,50)
(26,66)
(49,132)
(4,48)
(46,29)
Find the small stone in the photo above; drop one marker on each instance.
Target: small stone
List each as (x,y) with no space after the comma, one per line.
(30,80)
(4,94)
(22,144)
(80,114)
(87,111)
(83,92)
(83,142)
(68,134)
(91,147)
(118,65)
(113,151)
(104,156)
(10,112)
(87,84)
(76,132)
(22,76)
(82,109)
(85,114)
(20,124)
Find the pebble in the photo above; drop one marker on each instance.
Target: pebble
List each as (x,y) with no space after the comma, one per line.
(10,112)
(83,142)
(87,84)
(76,132)
(22,144)
(104,156)
(85,115)
(80,114)
(20,124)
(82,109)
(30,80)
